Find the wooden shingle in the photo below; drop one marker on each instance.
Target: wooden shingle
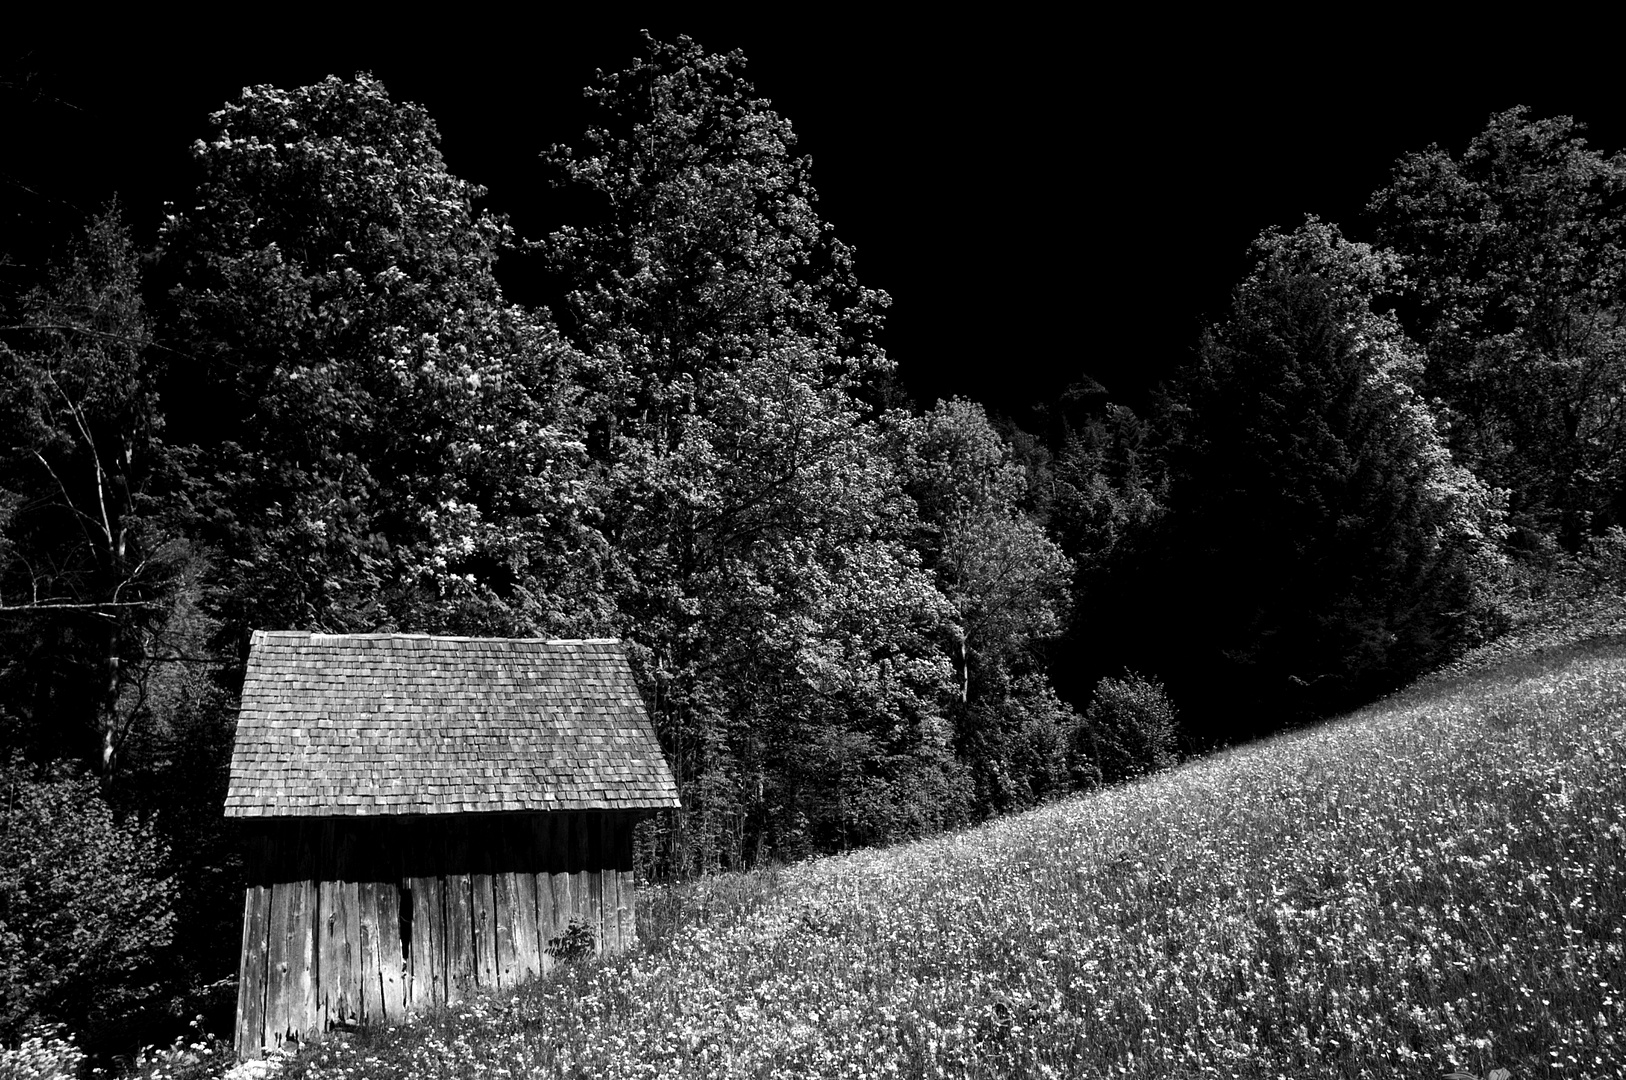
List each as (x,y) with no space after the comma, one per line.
(371,724)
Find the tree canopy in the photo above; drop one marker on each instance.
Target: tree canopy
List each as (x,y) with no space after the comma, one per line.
(374,403)
(1515,253)
(757,532)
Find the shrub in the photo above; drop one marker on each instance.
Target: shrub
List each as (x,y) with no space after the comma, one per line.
(576,943)
(1604,561)
(85,906)
(1014,738)
(196,1055)
(42,1054)
(1128,730)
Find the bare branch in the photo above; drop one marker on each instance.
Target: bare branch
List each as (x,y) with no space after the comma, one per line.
(95,455)
(63,605)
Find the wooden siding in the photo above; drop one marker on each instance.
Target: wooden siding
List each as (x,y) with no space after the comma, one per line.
(357,920)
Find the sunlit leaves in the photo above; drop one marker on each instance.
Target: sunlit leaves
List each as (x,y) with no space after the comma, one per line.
(756,534)
(1515,256)
(1008,582)
(377,410)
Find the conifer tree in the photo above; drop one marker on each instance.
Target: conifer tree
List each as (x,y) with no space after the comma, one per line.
(1324,544)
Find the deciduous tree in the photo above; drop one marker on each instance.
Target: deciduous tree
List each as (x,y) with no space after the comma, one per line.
(1515,252)
(374,405)
(1008,583)
(88,565)
(759,539)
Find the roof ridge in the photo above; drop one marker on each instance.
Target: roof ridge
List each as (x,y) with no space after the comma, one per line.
(385,635)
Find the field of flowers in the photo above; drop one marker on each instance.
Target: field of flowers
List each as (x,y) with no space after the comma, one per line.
(1435,884)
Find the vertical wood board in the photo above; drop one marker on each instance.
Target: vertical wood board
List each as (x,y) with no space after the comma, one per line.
(611,882)
(422,969)
(329,931)
(279,964)
(579,895)
(527,940)
(594,861)
(628,912)
(251,978)
(425,980)
(347,867)
(484,915)
(391,989)
(369,1009)
(302,1011)
(559,862)
(521,876)
(542,841)
(459,918)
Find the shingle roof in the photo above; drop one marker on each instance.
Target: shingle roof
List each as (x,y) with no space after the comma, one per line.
(410,724)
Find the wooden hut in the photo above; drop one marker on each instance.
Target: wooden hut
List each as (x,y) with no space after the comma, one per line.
(423,816)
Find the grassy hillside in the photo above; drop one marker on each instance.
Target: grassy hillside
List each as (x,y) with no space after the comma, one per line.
(1436,883)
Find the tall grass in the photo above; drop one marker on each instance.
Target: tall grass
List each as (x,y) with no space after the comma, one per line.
(1434,884)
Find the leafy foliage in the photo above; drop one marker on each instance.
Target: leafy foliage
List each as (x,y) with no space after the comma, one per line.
(576,943)
(757,535)
(708,250)
(1516,255)
(195,1055)
(1106,507)
(375,399)
(1008,582)
(1130,729)
(86,906)
(48,1054)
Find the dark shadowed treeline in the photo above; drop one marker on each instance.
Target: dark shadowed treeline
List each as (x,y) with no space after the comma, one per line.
(855,619)
(1378,451)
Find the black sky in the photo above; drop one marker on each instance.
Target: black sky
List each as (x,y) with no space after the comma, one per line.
(1042,199)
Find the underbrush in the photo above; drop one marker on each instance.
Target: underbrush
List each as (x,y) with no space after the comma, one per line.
(1434,884)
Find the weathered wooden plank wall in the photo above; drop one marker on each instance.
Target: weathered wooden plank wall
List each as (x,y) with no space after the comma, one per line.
(620,865)
(558,863)
(251,974)
(483,912)
(458,899)
(351,921)
(392,975)
(425,892)
(541,840)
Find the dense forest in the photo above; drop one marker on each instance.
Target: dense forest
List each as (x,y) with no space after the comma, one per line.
(856,618)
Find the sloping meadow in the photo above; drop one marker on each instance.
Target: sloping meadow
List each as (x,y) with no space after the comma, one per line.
(1435,884)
